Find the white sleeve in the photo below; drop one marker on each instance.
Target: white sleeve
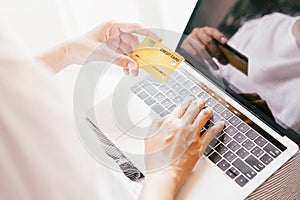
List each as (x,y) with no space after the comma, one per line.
(41,156)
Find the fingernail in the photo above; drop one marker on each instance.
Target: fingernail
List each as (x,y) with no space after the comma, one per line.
(223,39)
(132,66)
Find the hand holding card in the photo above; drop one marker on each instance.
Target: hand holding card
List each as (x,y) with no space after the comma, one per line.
(156,59)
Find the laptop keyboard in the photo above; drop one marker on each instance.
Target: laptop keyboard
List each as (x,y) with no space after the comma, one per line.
(239,150)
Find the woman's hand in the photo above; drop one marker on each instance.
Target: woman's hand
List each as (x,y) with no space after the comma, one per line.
(202,38)
(111,42)
(174,146)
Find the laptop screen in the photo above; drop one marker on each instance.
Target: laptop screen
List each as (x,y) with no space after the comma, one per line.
(259,65)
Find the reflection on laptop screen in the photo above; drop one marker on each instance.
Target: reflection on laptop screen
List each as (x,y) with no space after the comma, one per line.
(263,78)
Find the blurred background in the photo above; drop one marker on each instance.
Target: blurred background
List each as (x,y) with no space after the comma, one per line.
(41,24)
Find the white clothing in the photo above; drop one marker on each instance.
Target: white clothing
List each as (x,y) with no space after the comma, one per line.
(274,65)
(41,156)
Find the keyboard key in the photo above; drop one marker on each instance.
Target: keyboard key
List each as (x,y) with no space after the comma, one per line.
(177,99)
(241,180)
(239,137)
(221,149)
(274,152)
(260,141)
(202,131)
(208,150)
(229,156)
(172,108)
(242,153)
(166,103)
(252,134)
(203,95)
(163,88)
(196,90)
(225,138)
(208,124)
(243,127)
(226,114)
(244,168)
(180,78)
(215,118)
(159,97)
(170,81)
(257,151)
(143,95)
(214,142)
(215,157)
(184,93)
(176,87)
(223,165)
(248,144)
(158,108)
(232,172)
(230,130)
(164,113)
(150,89)
(170,94)
(175,73)
(152,79)
(144,82)
(266,159)
(136,89)
(149,101)
(218,108)
(254,163)
(188,84)
(235,120)
(233,146)
(211,102)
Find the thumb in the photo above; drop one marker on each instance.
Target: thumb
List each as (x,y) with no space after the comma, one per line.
(127,63)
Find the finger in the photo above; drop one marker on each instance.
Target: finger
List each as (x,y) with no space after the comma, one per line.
(204,37)
(202,118)
(216,34)
(181,108)
(126,71)
(135,72)
(138,29)
(214,51)
(127,63)
(188,48)
(156,123)
(212,132)
(193,46)
(193,111)
(129,42)
(114,43)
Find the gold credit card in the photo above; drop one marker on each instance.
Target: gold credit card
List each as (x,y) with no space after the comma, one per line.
(156,59)
(235,58)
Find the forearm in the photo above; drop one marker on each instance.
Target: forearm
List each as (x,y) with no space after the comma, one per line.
(58,57)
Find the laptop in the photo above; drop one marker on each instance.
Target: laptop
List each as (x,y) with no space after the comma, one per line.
(250,149)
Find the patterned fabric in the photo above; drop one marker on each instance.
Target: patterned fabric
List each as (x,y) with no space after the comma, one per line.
(284,184)
(112,151)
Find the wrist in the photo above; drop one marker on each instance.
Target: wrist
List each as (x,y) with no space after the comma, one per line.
(160,185)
